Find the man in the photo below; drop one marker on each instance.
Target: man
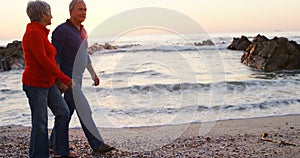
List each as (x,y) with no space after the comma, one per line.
(70,41)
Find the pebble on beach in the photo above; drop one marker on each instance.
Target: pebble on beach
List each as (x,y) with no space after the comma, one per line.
(14,142)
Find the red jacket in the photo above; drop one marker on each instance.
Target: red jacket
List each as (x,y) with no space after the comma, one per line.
(41,69)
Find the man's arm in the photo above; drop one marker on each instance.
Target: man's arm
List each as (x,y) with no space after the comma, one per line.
(93,74)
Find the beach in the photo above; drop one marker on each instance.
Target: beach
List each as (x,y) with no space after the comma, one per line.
(152,89)
(229,138)
(176,80)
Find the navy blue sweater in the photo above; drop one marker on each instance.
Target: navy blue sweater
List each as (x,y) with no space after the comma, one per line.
(71,46)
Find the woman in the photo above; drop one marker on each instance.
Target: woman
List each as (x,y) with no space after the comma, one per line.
(38,79)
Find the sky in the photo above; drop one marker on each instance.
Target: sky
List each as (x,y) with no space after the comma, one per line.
(212,15)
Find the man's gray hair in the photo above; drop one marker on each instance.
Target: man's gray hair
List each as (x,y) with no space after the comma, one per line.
(73,4)
(35,9)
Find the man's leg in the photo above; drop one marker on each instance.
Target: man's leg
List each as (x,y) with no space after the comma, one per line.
(77,99)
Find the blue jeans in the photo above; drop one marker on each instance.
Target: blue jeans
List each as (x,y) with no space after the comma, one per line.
(75,99)
(39,99)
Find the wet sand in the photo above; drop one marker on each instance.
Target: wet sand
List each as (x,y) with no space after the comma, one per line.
(230,138)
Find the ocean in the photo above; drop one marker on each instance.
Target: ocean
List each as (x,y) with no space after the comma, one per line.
(166,79)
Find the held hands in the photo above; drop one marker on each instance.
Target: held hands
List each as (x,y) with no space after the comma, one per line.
(71,84)
(62,87)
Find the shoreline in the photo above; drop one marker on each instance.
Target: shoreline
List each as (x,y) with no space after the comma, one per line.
(233,138)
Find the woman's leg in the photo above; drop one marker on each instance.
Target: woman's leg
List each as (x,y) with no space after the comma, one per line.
(61,125)
(37,98)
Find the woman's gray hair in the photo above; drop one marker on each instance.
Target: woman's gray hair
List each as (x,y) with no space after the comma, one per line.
(35,10)
(73,4)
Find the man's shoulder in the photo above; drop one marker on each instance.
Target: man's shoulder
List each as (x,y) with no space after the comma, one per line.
(61,26)
(61,30)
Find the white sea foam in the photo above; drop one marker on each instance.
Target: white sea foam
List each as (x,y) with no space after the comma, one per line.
(168,81)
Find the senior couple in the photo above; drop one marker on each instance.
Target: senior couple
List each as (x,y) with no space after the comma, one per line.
(52,69)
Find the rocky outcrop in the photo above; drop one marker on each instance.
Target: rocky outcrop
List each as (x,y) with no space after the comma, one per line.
(239,43)
(11,56)
(272,55)
(99,47)
(204,43)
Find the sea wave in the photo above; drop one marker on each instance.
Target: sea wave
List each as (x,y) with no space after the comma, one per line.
(133,111)
(166,48)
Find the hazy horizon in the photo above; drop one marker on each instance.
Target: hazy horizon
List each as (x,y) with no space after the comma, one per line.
(213,16)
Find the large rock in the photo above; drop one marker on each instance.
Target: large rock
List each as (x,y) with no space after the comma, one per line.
(272,55)
(11,56)
(239,43)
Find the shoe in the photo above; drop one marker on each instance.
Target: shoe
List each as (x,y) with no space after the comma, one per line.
(70,155)
(71,147)
(104,149)
(51,149)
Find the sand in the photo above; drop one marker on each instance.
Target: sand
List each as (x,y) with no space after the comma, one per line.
(231,138)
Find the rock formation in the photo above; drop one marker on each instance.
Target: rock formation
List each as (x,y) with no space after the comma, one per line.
(99,47)
(204,43)
(11,56)
(272,55)
(239,43)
